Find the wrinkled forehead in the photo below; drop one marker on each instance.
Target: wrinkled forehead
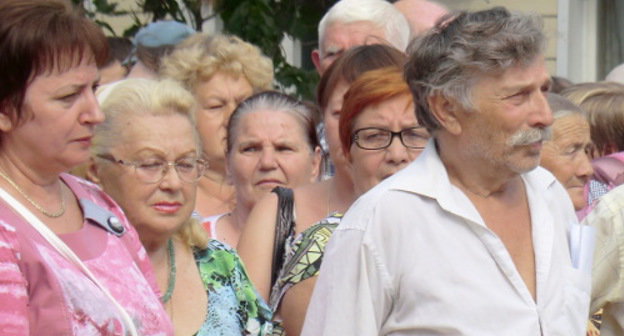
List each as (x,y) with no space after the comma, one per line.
(340,36)
(515,76)
(571,127)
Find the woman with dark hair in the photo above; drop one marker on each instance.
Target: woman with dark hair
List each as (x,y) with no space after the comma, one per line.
(285,267)
(70,264)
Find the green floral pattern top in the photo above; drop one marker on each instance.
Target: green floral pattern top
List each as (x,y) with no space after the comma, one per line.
(234,305)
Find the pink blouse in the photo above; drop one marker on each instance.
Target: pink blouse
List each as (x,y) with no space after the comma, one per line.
(42,293)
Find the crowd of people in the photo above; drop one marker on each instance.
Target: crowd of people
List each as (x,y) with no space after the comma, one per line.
(441,183)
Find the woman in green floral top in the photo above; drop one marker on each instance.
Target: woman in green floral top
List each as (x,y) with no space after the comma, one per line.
(233,302)
(147,156)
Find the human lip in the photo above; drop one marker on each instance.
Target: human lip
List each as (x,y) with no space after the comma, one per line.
(167,207)
(269,182)
(534,147)
(85,140)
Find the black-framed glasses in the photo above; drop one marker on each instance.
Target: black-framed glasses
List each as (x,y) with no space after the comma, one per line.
(153,170)
(374,138)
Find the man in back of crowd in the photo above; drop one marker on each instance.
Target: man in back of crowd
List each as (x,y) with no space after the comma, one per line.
(350,23)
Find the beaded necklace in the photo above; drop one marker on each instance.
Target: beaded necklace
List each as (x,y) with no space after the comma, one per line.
(172,273)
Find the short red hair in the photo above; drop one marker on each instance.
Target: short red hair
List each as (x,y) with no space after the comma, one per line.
(371,88)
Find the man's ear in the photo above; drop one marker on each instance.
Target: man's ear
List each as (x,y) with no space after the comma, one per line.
(316,59)
(446,112)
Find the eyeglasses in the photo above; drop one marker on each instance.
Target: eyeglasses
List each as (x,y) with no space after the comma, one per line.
(189,169)
(373,138)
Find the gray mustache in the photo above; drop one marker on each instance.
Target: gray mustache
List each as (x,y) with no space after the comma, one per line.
(529,136)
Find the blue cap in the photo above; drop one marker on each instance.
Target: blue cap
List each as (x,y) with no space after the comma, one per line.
(162,33)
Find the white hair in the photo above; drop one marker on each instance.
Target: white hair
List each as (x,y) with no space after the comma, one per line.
(379,12)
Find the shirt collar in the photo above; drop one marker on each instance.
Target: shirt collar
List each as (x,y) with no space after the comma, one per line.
(427,176)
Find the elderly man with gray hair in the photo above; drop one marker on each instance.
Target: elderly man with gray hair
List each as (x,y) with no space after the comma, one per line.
(472,237)
(351,23)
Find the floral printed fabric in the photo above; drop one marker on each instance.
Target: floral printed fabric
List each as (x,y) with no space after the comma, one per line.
(304,255)
(234,306)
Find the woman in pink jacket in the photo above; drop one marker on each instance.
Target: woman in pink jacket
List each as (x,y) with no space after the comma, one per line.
(69,262)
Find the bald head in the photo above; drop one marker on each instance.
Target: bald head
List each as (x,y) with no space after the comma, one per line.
(421,14)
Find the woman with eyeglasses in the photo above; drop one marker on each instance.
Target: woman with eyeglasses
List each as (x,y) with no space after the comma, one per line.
(285,269)
(147,157)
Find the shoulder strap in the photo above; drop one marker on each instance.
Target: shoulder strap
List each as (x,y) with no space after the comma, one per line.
(284,228)
(67,252)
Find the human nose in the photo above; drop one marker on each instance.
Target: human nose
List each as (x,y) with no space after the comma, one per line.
(92,113)
(584,168)
(268,159)
(540,114)
(396,152)
(170,177)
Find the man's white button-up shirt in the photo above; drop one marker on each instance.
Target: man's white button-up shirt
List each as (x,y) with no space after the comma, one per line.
(414,257)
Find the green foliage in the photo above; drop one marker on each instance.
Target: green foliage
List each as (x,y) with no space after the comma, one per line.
(101,7)
(264,23)
(261,22)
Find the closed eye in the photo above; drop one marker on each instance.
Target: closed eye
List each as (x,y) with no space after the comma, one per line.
(250,149)
(69,97)
(150,164)
(185,164)
(284,148)
(518,97)
(215,107)
(572,150)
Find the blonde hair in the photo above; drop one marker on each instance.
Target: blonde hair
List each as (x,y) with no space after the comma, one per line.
(603,105)
(193,234)
(145,97)
(202,55)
